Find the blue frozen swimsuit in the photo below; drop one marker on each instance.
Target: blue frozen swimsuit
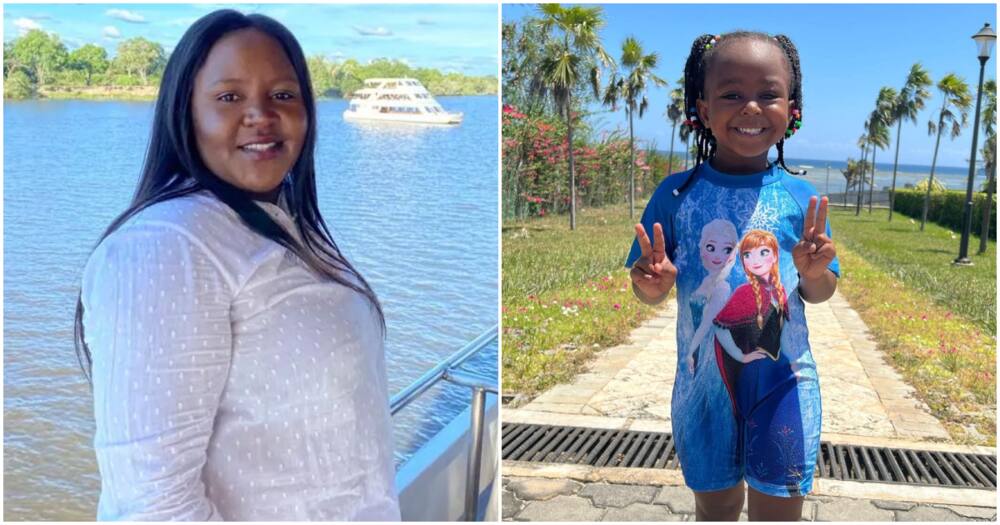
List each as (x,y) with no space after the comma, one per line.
(746,401)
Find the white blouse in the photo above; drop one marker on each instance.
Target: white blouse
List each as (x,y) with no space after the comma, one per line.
(230,382)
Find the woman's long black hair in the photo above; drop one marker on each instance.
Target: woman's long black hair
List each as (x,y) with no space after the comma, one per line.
(173,168)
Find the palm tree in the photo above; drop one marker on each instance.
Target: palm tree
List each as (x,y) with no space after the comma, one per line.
(630,88)
(878,134)
(863,144)
(684,133)
(562,68)
(910,101)
(674,113)
(852,174)
(956,94)
(989,157)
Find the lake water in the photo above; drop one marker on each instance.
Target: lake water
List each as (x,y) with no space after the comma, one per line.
(413,207)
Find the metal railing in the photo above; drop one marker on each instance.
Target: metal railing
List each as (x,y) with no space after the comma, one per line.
(448,370)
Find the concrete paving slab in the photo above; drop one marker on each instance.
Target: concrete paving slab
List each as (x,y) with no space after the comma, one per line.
(561,508)
(605,495)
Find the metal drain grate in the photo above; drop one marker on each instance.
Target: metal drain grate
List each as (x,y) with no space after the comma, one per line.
(626,448)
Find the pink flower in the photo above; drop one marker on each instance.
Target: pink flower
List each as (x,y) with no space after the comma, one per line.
(617,306)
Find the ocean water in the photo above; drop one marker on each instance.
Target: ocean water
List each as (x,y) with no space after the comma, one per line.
(413,207)
(832,180)
(953,177)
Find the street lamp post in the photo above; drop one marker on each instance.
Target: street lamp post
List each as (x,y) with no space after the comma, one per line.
(985,39)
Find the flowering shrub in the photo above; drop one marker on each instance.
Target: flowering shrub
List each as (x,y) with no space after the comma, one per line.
(536,166)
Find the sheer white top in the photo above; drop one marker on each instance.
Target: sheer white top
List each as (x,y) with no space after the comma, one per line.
(230,382)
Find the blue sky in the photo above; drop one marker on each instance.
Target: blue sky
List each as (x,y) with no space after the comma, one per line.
(459,38)
(848,52)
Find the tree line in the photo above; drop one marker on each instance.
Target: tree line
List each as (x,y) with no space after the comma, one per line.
(39,62)
(552,65)
(894,108)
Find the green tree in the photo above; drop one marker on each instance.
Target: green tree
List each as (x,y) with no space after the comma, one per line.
(630,88)
(853,175)
(989,157)
(561,68)
(910,101)
(138,56)
(18,85)
(684,133)
(40,53)
(321,74)
(880,120)
(346,79)
(675,110)
(10,61)
(956,95)
(522,48)
(863,143)
(90,59)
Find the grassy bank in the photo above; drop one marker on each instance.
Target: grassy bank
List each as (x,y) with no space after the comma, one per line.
(935,322)
(565,295)
(100,93)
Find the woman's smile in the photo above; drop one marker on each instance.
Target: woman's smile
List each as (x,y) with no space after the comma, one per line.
(249,117)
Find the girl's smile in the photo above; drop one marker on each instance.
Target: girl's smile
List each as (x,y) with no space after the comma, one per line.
(745,104)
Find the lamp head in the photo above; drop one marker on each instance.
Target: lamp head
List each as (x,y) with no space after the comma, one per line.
(985,40)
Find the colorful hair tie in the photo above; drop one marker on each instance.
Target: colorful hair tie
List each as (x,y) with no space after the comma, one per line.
(712,42)
(794,124)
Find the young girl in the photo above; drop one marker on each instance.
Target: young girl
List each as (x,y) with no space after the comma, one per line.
(236,355)
(743,94)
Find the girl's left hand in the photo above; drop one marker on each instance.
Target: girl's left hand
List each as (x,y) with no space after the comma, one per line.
(815,250)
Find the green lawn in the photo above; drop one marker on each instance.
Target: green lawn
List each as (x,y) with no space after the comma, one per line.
(565,295)
(922,261)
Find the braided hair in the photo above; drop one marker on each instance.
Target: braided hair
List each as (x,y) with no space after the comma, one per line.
(704,48)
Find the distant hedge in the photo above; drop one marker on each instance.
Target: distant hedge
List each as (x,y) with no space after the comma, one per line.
(946,208)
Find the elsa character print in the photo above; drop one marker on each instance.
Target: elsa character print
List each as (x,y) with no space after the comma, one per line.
(717,248)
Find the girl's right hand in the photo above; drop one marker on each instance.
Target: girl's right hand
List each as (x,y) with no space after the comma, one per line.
(755,355)
(653,274)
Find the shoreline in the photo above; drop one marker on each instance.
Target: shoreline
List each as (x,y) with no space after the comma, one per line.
(144,94)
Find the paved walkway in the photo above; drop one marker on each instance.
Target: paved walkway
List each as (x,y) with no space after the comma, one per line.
(539,499)
(865,402)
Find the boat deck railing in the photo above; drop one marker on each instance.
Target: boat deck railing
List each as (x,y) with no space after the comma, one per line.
(448,370)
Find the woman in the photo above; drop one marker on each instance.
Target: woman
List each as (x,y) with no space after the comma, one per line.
(236,356)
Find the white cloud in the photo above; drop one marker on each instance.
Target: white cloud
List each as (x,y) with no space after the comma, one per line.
(377,31)
(182,22)
(127,16)
(24,25)
(111,32)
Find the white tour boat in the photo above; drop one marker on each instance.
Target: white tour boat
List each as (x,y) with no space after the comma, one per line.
(399,100)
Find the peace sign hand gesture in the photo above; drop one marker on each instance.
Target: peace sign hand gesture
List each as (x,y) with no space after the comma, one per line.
(815,250)
(653,274)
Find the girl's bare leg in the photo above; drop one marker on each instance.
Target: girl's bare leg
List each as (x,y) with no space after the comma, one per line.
(719,505)
(763,507)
